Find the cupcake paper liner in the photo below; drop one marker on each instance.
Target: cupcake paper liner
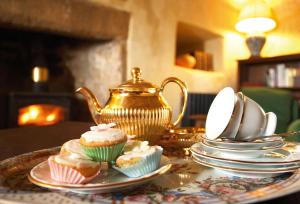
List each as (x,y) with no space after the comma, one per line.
(147,165)
(104,153)
(65,174)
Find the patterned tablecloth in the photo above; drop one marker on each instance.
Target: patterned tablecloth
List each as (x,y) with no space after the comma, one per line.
(187,181)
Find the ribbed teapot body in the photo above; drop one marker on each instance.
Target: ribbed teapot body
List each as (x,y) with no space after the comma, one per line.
(142,117)
(137,107)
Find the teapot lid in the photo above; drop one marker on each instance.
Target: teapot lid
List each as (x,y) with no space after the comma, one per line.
(136,84)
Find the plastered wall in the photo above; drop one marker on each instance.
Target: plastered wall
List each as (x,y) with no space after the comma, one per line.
(152,36)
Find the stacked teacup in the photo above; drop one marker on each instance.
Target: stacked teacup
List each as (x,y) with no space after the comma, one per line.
(238,138)
(237,117)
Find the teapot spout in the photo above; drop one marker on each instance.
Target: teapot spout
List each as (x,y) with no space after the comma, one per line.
(92,101)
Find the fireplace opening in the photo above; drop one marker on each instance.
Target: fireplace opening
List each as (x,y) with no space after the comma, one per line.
(40,115)
(38,79)
(40,109)
(35,113)
(85,46)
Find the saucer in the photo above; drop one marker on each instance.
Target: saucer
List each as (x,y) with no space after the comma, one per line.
(252,173)
(247,166)
(239,153)
(262,143)
(289,154)
(109,180)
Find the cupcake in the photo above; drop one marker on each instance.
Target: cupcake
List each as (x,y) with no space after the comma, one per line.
(138,159)
(73,149)
(72,165)
(66,169)
(103,142)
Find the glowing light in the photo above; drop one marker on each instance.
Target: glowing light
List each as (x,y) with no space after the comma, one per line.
(24,118)
(51,117)
(34,112)
(40,114)
(256,16)
(253,25)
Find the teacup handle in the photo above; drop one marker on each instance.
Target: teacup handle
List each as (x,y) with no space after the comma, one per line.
(183,88)
(271,123)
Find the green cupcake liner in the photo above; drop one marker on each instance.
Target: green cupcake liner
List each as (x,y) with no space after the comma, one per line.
(104,153)
(147,165)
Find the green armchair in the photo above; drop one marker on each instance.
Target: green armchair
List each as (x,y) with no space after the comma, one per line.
(279,101)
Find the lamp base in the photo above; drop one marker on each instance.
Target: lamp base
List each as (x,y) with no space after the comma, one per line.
(255,45)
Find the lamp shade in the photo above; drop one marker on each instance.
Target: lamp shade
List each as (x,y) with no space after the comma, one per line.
(255,17)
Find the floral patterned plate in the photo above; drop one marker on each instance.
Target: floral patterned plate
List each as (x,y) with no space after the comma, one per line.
(246,166)
(108,180)
(185,182)
(243,171)
(289,154)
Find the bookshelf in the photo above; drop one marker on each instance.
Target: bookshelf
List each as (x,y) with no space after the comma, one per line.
(276,72)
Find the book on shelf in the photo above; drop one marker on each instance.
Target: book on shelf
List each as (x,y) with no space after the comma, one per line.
(204,60)
(282,76)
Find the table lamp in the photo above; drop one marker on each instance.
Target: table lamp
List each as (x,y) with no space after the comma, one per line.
(255,19)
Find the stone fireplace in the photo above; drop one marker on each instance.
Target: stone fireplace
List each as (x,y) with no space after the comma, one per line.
(80,42)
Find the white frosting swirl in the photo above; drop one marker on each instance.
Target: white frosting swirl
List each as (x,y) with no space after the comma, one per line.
(102,126)
(74,162)
(136,146)
(103,132)
(74,150)
(133,149)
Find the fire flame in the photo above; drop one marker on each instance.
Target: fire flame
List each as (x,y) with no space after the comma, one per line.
(40,114)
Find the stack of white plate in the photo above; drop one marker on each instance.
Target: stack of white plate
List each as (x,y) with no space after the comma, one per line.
(260,158)
(238,138)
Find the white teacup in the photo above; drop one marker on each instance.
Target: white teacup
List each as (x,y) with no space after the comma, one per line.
(224,115)
(255,122)
(236,117)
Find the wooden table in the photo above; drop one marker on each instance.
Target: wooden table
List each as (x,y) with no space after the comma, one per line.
(26,139)
(21,140)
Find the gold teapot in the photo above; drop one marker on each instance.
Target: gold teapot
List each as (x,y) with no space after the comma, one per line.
(137,107)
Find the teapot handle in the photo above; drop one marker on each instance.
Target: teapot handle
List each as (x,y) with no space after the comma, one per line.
(184,93)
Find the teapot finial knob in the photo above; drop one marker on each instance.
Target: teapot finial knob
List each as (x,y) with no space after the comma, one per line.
(136,74)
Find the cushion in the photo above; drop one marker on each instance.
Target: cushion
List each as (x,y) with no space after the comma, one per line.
(279,101)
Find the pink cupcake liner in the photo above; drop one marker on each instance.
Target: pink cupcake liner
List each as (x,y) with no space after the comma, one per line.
(65,174)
